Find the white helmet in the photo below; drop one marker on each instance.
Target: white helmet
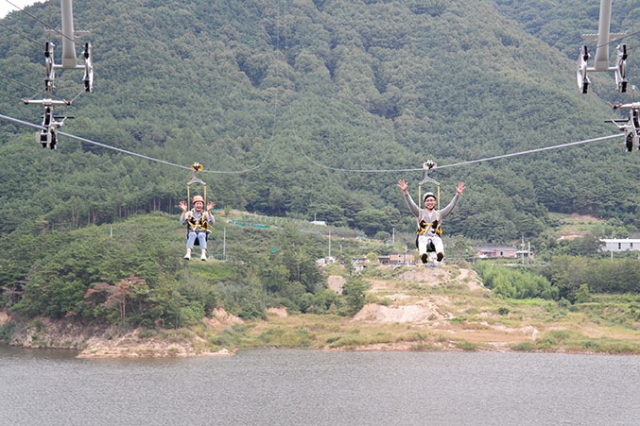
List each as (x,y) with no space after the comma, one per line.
(427,195)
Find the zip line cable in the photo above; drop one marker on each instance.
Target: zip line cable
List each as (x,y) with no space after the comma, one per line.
(498,157)
(43,23)
(18,83)
(124,151)
(102,145)
(273,131)
(17,8)
(462,163)
(275,107)
(76,96)
(108,146)
(531,151)
(621,38)
(50,31)
(38,92)
(23,35)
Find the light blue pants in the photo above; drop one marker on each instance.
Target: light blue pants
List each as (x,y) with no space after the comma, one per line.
(202,239)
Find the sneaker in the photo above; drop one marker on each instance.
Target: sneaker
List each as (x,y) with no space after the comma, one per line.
(187,256)
(203,256)
(424,257)
(440,257)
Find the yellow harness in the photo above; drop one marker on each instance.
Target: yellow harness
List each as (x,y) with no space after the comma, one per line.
(198,224)
(424,227)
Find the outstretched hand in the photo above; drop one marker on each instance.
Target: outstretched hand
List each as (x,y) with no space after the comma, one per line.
(403,185)
(210,205)
(183,206)
(460,188)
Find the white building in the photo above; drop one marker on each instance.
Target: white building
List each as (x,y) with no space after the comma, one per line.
(326,261)
(617,244)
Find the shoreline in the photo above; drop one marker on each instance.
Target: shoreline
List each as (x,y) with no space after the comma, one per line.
(143,352)
(423,310)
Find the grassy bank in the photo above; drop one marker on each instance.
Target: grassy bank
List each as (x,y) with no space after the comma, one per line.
(407,309)
(447,309)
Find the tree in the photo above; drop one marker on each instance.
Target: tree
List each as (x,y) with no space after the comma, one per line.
(116,296)
(567,274)
(353,291)
(371,221)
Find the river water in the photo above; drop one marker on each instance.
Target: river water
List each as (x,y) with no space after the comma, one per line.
(296,387)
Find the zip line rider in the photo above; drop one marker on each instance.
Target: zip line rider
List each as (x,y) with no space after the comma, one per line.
(197,221)
(429,220)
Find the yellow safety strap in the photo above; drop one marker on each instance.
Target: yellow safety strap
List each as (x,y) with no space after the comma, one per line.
(429,225)
(199,223)
(439,228)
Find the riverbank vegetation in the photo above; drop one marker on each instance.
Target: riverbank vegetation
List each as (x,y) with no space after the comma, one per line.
(131,281)
(295,107)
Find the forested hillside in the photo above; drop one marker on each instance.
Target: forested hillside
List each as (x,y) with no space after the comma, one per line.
(307,110)
(288,92)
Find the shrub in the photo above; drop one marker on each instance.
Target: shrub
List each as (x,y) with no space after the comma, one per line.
(6,331)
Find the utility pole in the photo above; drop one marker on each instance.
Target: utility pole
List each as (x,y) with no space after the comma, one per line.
(224,243)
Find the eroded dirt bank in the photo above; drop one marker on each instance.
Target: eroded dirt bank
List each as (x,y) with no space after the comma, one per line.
(409,309)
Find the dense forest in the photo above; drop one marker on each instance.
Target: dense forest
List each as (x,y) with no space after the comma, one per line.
(278,99)
(305,110)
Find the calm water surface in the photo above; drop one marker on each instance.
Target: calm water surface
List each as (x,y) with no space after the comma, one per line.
(291,387)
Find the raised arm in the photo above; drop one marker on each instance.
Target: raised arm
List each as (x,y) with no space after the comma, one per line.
(459,190)
(407,198)
(210,217)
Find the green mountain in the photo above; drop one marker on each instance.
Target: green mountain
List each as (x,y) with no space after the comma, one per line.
(309,110)
(286,104)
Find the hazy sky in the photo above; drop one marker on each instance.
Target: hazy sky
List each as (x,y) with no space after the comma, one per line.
(5,7)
